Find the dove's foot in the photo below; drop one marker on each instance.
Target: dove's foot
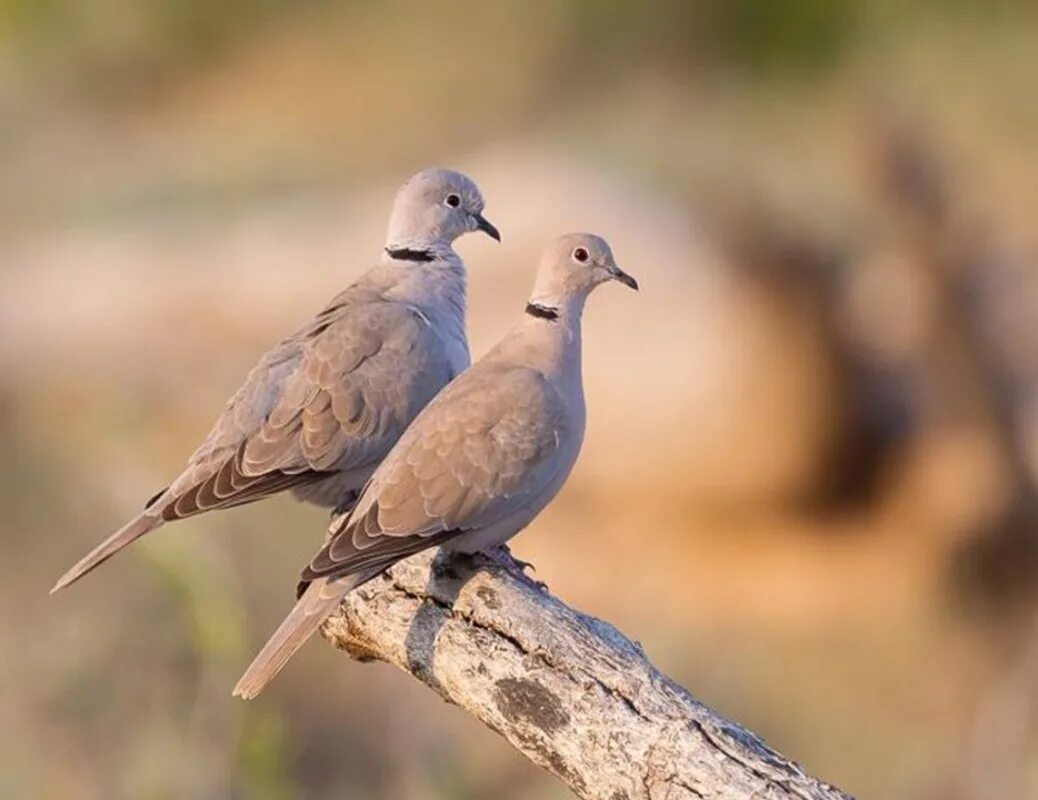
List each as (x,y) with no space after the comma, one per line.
(502,557)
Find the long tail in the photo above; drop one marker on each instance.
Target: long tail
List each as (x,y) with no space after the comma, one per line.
(134,529)
(317,603)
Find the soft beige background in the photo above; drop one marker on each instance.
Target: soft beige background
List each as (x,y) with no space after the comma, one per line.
(183,182)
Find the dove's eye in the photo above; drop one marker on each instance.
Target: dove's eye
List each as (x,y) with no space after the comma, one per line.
(581,254)
(453,200)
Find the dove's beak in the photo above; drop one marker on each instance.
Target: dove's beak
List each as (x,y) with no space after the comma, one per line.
(483,224)
(618,274)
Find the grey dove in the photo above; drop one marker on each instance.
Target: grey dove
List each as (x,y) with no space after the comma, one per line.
(319,412)
(477,464)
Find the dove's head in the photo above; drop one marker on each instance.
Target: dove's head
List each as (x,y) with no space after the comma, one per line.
(571,267)
(435,207)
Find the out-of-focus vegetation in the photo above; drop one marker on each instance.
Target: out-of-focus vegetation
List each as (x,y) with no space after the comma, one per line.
(808,484)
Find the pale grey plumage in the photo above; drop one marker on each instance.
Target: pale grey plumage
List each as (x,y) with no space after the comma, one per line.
(320,410)
(477,464)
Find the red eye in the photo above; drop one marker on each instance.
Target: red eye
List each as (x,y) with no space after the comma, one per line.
(581,254)
(453,200)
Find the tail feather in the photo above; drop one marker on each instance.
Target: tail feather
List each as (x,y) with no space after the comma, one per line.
(133,530)
(319,600)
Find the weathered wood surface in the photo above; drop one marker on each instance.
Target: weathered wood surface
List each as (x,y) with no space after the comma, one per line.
(567,690)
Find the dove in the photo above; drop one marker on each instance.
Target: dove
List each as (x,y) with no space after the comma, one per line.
(477,464)
(321,409)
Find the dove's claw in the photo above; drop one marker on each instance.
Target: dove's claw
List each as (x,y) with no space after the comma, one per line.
(502,557)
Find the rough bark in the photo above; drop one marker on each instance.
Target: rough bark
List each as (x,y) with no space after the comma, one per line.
(568,691)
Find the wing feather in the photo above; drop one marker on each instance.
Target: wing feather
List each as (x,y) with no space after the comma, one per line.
(334,396)
(474,456)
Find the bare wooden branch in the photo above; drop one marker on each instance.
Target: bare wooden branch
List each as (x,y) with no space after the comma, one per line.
(569,691)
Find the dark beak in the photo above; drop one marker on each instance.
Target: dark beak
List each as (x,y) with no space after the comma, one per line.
(618,274)
(484,225)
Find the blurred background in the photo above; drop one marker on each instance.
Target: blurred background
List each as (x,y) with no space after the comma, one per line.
(810,482)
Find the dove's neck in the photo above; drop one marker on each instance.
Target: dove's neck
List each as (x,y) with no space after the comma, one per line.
(417,250)
(437,289)
(549,338)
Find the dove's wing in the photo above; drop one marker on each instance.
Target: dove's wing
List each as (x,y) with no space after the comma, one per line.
(484,449)
(335,396)
(478,463)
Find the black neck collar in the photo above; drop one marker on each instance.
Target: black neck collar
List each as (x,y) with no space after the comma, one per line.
(542,312)
(410,254)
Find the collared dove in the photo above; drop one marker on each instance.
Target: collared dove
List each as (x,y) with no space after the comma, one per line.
(477,464)
(319,412)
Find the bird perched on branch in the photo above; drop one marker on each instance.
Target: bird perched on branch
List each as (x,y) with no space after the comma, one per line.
(477,464)
(319,412)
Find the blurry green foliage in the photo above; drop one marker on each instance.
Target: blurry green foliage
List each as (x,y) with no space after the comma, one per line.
(800,33)
(263,769)
(218,641)
(22,17)
(742,33)
(120,48)
(217,626)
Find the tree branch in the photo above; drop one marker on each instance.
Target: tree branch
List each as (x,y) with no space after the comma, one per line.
(568,691)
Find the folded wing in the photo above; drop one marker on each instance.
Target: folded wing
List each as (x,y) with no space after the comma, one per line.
(482,450)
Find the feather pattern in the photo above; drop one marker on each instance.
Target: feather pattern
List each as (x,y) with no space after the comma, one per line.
(478,463)
(320,410)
